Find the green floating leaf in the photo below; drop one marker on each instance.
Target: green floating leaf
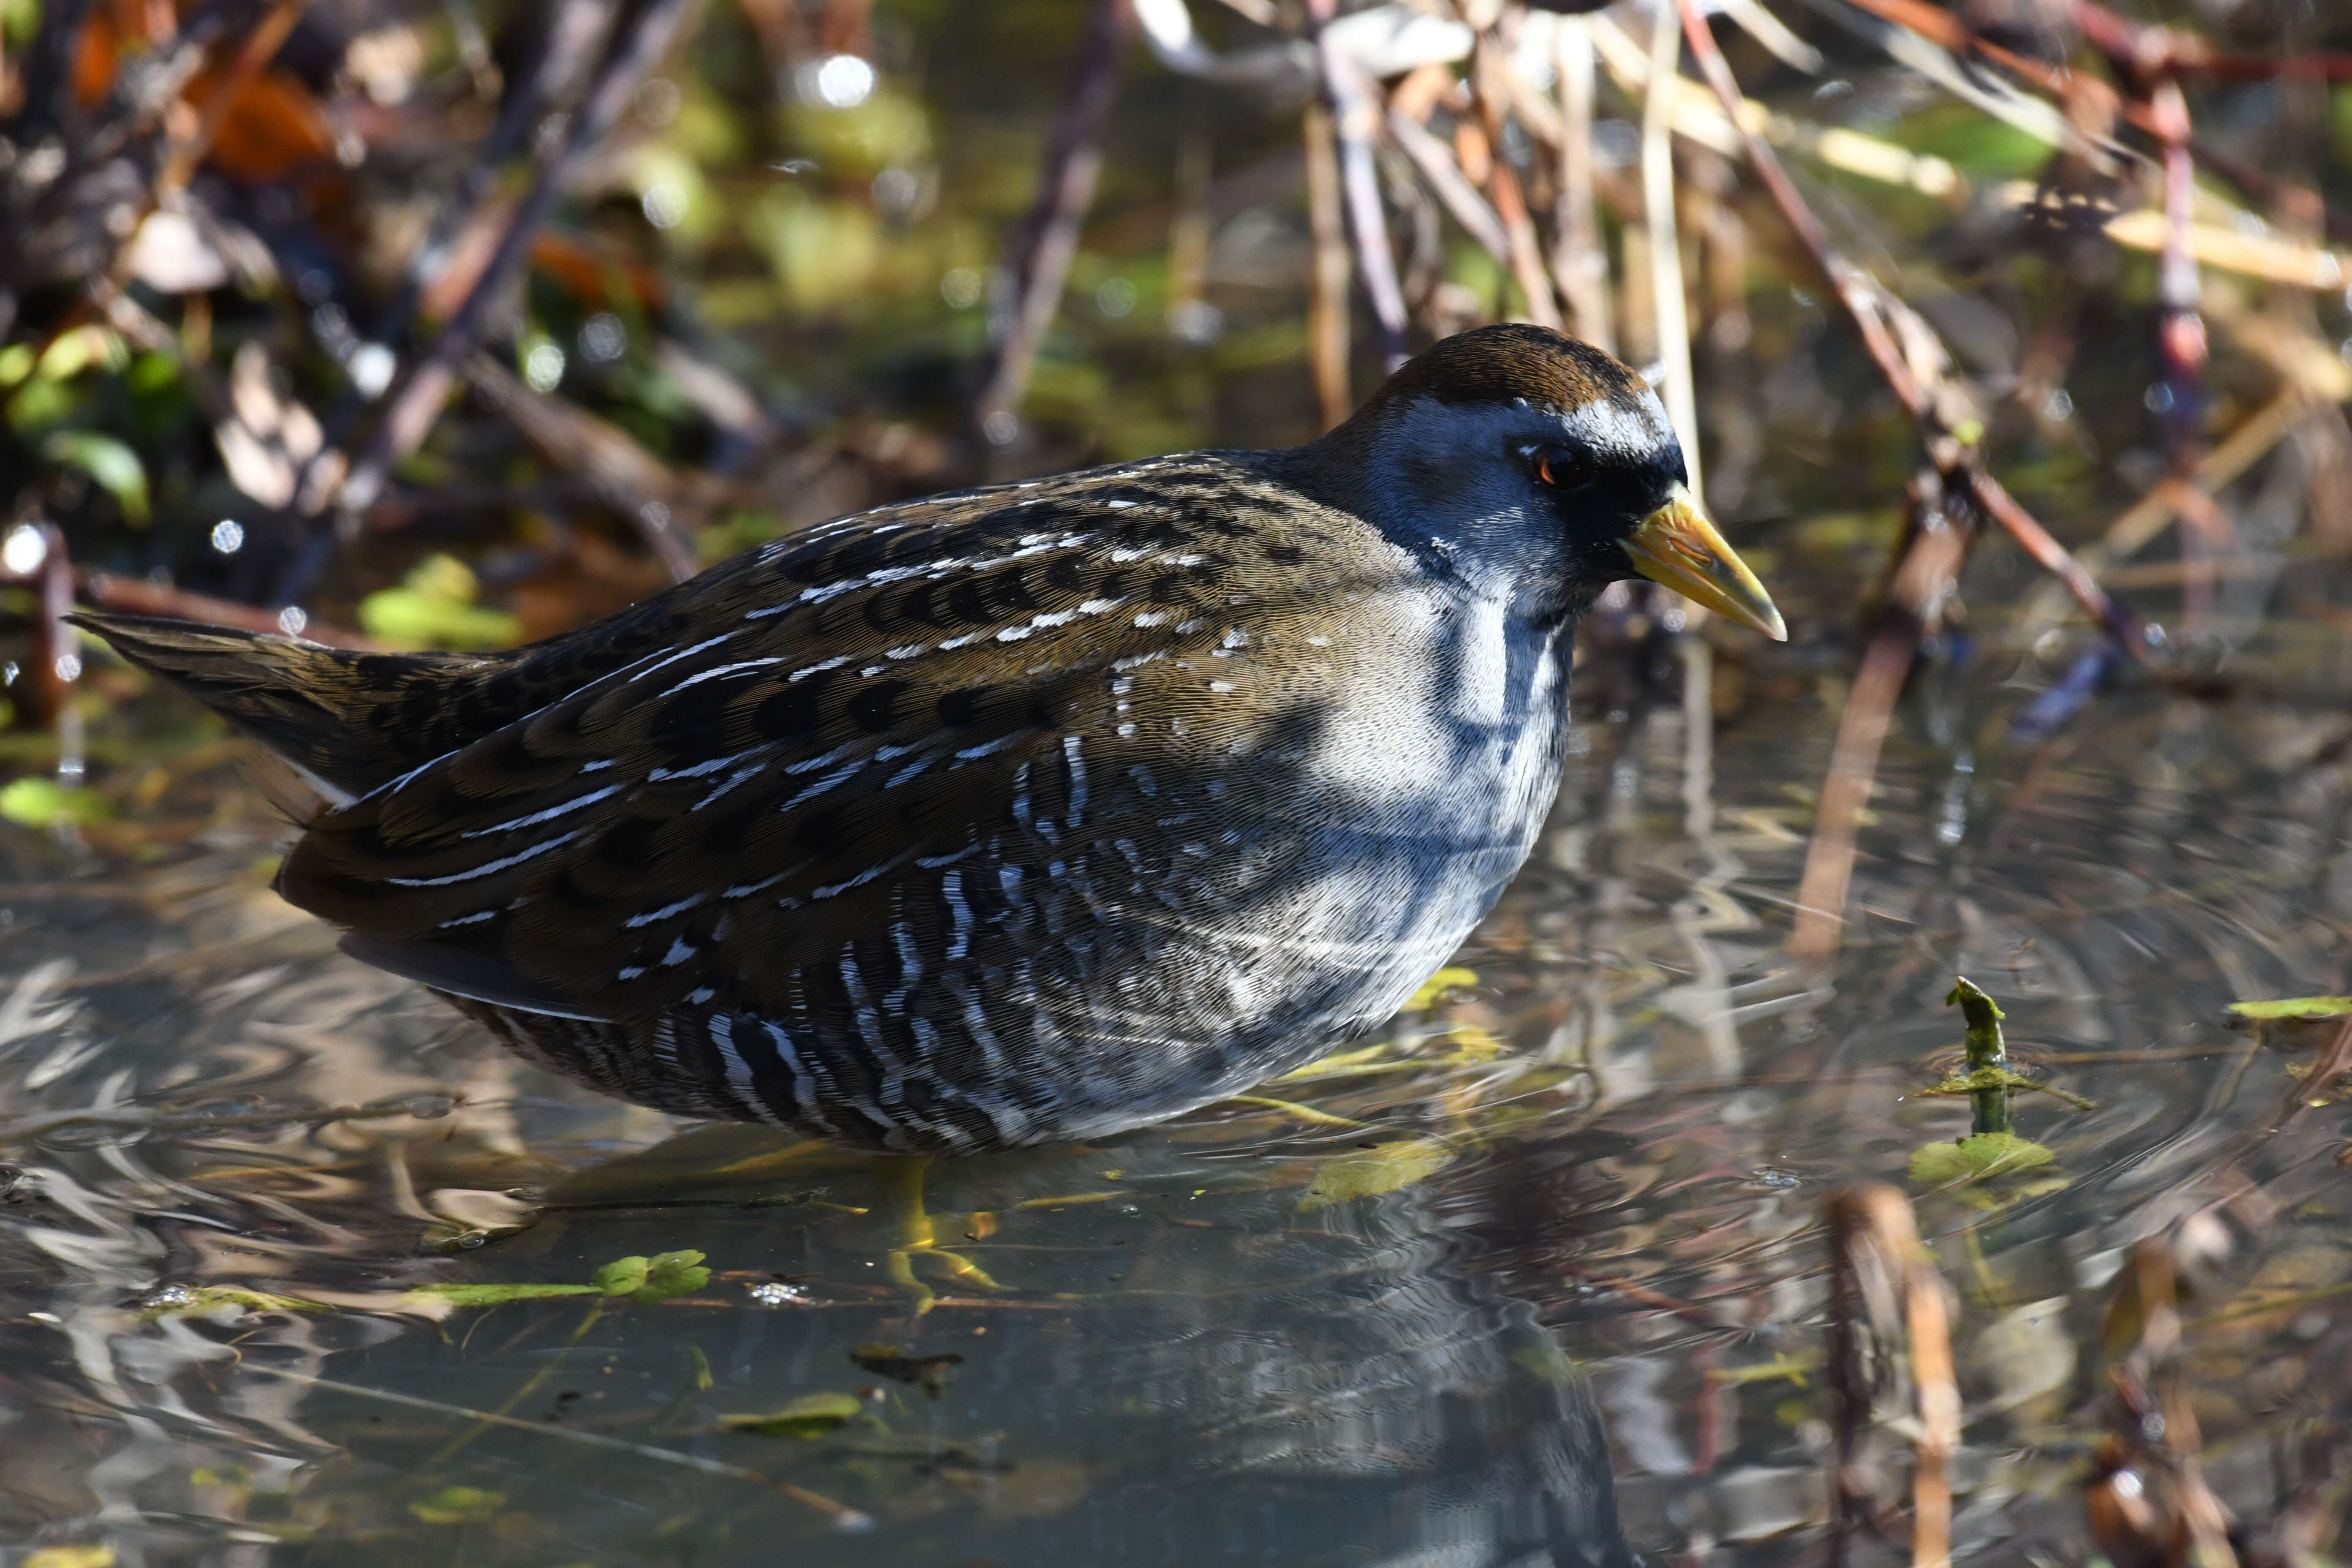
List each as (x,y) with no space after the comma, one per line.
(115,467)
(2294,1007)
(498,1295)
(458,1505)
(1989,1171)
(1978,1159)
(45,802)
(667,1275)
(809,1418)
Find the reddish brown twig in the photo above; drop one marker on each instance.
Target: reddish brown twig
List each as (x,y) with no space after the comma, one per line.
(2159,51)
(1050,239)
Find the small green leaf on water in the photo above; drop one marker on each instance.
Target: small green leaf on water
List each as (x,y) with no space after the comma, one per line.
(458,1505)
(809,1418)
(1978,1159)
(622,1276)
(2294,1007)
(1989,1171)
(45,802)
(671,1274)
(1369,1173)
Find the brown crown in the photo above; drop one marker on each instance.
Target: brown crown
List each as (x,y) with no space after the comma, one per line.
(1503,363)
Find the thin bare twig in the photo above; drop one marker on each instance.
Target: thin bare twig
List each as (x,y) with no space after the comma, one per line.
(1947,31)
(1461,198)
(576,30)
(1880,319)
(417,400)
(1050,239)
(843,1515)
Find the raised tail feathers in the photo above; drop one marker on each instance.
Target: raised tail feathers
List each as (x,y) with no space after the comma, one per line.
(323,709)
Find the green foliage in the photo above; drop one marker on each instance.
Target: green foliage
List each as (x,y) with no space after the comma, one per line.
(39,801)
(1989,1170)
(654,1278)
(114,467)
(458,1505)
(809,1418)
(434,607)
(1369,1173)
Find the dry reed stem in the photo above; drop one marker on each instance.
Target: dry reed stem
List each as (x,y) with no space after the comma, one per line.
(1579,263)
(1853,762)
(1947,31)
(1356,119)
(1881,1272)
(1523,254)
(1670,307)
(1327,312)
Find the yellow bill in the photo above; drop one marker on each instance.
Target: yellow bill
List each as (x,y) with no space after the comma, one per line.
(1677,546)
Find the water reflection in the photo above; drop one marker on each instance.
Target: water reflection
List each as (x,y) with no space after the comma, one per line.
(1199,1347)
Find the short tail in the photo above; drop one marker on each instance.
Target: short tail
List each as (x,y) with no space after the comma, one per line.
(350,720)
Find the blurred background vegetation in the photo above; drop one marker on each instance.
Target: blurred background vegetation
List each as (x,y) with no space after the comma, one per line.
(456,323)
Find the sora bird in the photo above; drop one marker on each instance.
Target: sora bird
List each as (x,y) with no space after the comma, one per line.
(1015,814)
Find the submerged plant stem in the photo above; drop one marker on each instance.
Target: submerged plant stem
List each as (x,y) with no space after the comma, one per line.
(1987,1050)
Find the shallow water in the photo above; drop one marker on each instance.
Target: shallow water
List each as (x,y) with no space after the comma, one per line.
(1544,1282)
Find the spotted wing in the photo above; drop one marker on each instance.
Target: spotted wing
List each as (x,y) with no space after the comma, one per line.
(834,756)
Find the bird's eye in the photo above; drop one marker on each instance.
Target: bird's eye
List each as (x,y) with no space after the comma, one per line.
(1558,467)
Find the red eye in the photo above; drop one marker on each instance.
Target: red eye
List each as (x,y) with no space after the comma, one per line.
(1557,467)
